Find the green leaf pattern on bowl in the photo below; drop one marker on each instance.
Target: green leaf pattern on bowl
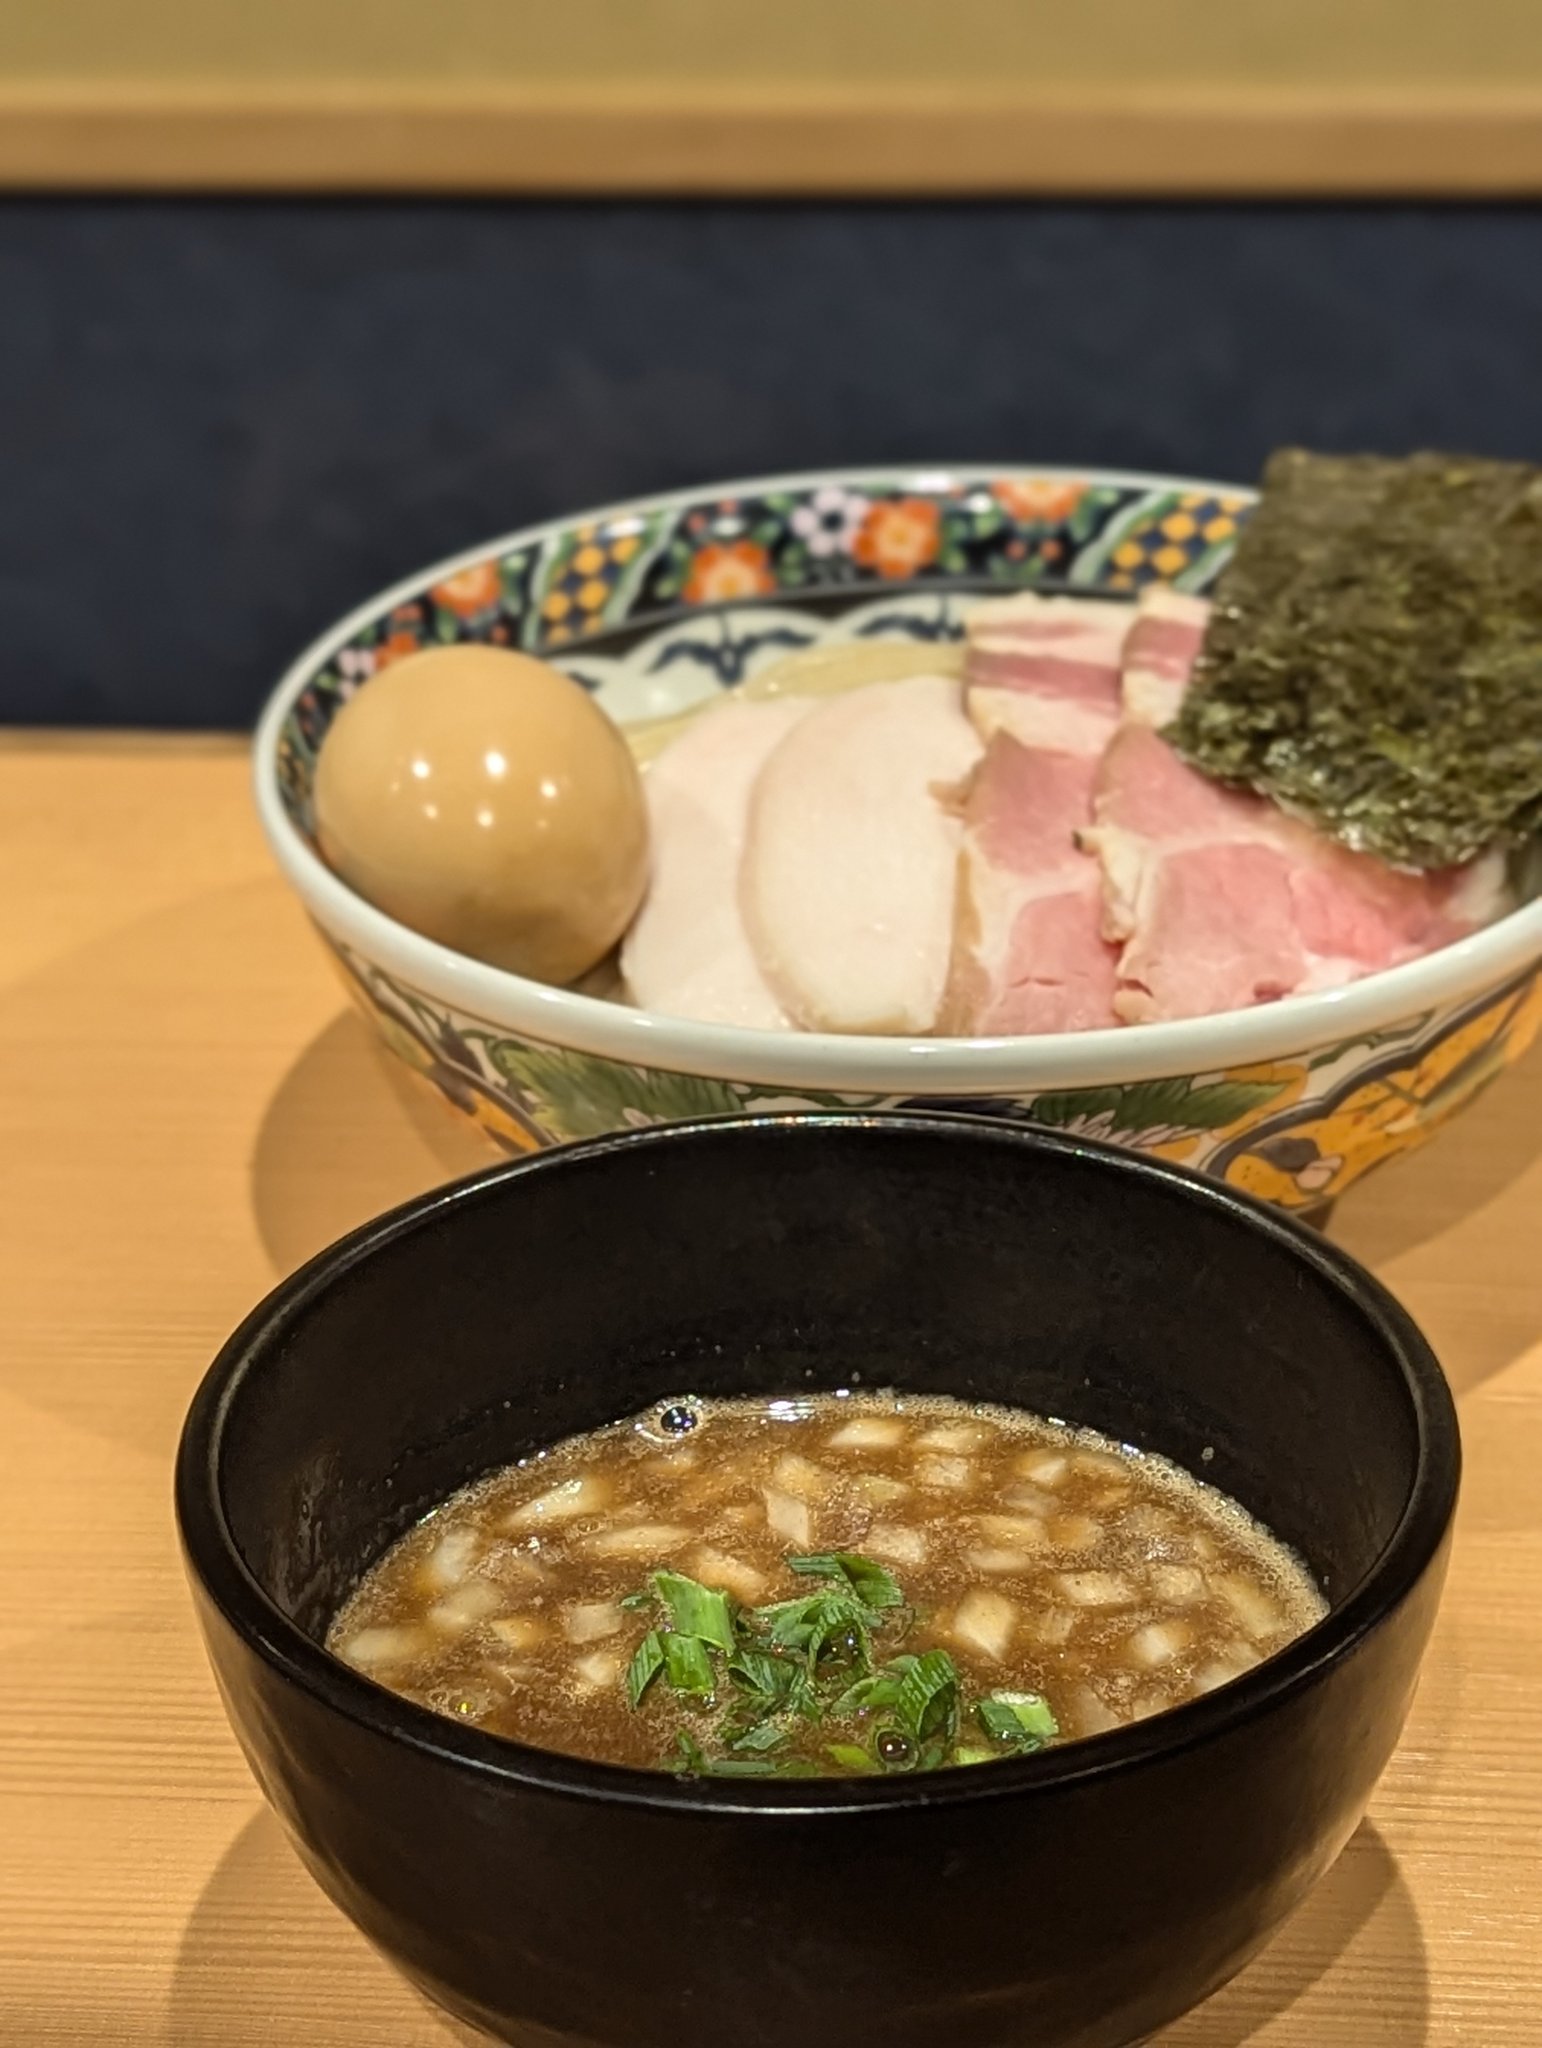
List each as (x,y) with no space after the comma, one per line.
(1297,1132)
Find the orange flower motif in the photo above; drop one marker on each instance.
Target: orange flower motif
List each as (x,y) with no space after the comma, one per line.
(728,569)
(1040,500)
(395,648)
(899,536)
(469,591)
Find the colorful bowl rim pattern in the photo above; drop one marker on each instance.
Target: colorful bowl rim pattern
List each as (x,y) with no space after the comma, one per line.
(579,589)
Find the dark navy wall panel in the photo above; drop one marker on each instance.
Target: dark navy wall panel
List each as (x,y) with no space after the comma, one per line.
(223,423)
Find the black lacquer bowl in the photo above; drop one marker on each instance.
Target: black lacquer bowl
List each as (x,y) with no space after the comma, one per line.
(1076,1899)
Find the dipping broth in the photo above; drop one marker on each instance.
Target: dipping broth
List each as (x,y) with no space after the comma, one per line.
(824,1585)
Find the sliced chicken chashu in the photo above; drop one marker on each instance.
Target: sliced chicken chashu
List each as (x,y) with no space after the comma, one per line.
(850,867)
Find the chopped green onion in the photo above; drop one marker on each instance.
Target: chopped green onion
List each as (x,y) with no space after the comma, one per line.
(791,1623)
(647,1662)
(842,1627)
(1022,1718)
(881,1690)
(697,1610)
(873,1585)
(687,1666)
(852,1757)
(819,1623)
(928,1697)
(786,1621)
(811,1659)
(632,1602)
(764,1735)
(691,1757)
(801,1696)
(769,1677)
(695,1761)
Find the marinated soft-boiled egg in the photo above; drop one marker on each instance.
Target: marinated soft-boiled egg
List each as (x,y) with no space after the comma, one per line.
(484,799)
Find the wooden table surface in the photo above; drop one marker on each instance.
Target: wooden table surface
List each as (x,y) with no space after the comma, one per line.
(186,1111)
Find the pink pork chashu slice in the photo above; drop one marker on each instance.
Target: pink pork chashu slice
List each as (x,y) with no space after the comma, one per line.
(687,953)
(1218,899)
(849,870)
(1042,684)
(1046,669)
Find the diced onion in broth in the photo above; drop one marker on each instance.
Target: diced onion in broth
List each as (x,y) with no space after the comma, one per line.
(788,1518)
(1097,1589)
(867,1433)
(952,1475)
(599,1669)
(895,1544)
(1044,1468)
(586,1494)
(1180,1585)
(1089,1714)
(519,1631)
(586,1621)
(1159,1642)
(878,1489)
(645,1539)
(1033,1500)
(450,1560)
(1233,1663)
(467,1605)
(1012,1532)
(727,1574)
(953,1436)
(375,1649)
(1073,1532)
(1257,1613)
(986,1622)
(803,1480)
(990,1560)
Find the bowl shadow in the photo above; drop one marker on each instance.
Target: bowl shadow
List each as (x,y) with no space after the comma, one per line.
(1478,1156)
(1348,1968)
(1427,1226)
(265,1957)
(348,1133)
(129,1121)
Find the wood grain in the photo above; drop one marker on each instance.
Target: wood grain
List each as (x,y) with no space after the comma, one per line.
(186,1110)
(1306,43)
(791,141)
(811,96)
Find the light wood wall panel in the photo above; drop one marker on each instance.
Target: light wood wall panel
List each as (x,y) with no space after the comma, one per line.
(807,95)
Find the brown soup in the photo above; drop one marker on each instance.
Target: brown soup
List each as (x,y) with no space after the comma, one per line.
(824,1585)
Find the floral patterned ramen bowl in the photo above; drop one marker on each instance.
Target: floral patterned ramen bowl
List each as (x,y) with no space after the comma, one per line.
(660,605)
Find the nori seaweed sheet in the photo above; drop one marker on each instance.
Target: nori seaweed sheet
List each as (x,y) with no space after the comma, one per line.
(1374,659)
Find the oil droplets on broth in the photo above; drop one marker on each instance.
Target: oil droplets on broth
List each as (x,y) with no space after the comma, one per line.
(823,1585)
